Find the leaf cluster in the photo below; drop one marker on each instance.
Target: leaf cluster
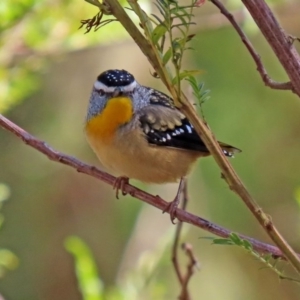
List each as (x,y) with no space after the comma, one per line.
(267,259)
(172,26)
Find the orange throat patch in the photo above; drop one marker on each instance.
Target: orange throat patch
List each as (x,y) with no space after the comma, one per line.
(118,111)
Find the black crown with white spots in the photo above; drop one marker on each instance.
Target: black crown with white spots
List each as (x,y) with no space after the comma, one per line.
(113,78)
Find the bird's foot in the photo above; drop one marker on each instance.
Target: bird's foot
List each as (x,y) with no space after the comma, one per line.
(171,208)
(119,185)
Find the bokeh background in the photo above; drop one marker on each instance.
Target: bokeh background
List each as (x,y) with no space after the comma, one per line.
(48,67)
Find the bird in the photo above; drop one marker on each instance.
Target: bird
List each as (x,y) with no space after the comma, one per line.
(138,133)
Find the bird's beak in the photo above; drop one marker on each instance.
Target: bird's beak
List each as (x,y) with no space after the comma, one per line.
(117,92)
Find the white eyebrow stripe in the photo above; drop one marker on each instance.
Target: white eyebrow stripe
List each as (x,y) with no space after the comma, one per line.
(110,89)
(100,86)
(130,87)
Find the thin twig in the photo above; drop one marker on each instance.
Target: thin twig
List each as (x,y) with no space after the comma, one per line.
(189,251)
(292,39)
(176,245)
(184,295)
(256,57)
(157,202)
(176,241)
(193,263)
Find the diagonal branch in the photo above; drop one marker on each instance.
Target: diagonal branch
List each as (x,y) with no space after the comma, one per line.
(256,57)
(182,216)
(277,39)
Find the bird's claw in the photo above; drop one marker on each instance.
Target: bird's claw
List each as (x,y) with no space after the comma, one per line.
(119,185)
(171,208)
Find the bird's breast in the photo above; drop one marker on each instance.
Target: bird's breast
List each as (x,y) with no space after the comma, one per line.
(118,111)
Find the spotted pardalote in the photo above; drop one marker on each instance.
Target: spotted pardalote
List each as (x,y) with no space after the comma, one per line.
(138,133)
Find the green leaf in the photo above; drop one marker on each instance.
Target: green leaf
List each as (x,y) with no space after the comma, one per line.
(204,93)
(183,24)
(222,242)
(236,239)
(211,238)
(91,286)
(268,257)
(157,18)
(193,82)
(186,73)
(178,43)
(248,245)
(161,10)
(167,56)
(182,18)
(158,32)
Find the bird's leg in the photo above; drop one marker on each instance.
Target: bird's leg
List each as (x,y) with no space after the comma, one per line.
(119,185)
(172,206)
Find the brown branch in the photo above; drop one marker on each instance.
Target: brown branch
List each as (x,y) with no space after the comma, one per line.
(193,263)
(157,202)
(256,57)
(277,39)
(176,246)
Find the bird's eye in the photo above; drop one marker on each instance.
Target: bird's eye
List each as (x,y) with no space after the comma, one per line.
(131,92)
(100,92)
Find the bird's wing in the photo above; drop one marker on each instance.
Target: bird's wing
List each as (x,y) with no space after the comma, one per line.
(164,125)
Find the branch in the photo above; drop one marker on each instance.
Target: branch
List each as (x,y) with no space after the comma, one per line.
(155,201)
(184,292)
(193,263)
(256,57)
(277,39)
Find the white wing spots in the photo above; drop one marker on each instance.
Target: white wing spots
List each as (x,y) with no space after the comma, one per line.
(157,97)
(229,154)
(165,132)
(189,129)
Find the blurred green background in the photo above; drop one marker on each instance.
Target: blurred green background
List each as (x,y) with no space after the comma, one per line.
(47,70)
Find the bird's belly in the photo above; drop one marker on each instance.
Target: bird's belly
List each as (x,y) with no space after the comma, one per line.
(133,157)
